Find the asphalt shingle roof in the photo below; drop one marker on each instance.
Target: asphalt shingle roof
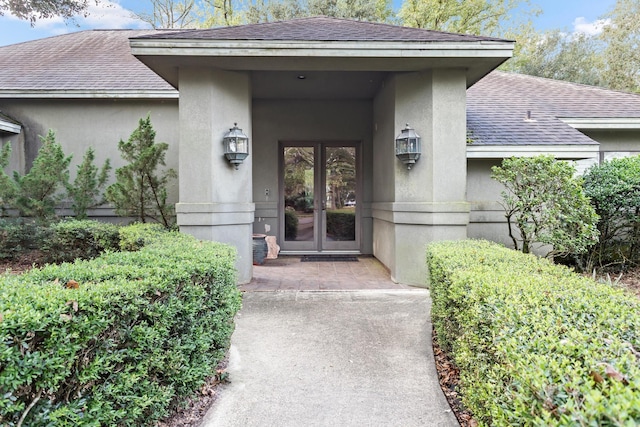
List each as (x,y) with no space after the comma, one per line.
(85,60)
(322,28)
(101,60)
(497,109)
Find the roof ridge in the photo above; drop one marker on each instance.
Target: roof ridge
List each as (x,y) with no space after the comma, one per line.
(323,28)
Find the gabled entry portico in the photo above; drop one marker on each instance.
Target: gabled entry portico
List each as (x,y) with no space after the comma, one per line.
(324,82)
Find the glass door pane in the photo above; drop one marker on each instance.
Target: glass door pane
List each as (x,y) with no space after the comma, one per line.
(340,197)
(299,203)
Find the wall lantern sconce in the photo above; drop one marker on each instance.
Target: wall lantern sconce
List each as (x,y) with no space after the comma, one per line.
(408,146)
(236,145)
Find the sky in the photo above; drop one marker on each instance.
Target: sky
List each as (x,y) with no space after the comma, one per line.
(567,15)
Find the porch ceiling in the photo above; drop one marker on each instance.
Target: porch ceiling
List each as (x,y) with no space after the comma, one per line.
(315,84)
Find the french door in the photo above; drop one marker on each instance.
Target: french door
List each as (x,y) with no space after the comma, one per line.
(319,202)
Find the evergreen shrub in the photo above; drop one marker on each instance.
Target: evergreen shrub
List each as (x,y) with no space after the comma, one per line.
(79,239)
(614,190)
(536,344)
(136,236)
(18,236)
(117,340)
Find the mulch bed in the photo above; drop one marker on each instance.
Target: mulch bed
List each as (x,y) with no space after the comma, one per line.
(196,407)
(22,263)
(449,377)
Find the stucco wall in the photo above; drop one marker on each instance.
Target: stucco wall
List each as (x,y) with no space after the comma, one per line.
(384,165)
(427,203)
(306,121)
(215,198)
(487,219)
(616,140)
(100,123)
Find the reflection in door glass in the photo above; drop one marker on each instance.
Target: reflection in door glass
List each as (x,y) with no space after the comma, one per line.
(340,192)
(298,193)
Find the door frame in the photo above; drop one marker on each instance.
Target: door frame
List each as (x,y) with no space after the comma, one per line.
(320,244)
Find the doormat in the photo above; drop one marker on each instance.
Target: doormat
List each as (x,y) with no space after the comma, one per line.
(329,258)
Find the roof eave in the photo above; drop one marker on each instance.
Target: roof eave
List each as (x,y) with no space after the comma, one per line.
(603,123)
(363,49)
(10,127)
(559,151)
(89,94)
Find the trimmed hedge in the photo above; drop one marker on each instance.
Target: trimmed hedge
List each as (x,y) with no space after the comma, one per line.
(536,344)
(79,239)
(18,236)
(57,242)
(142,331)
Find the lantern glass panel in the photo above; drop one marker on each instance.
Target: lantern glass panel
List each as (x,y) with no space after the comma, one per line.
(401,145)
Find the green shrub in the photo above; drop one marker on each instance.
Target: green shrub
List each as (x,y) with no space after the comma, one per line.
(290,225)
(7,185)
(18,236)
(545,203)
(535,343)
(142,331)
(341,225)
(140,190)
(38,191)
(79,239)
(614,190)
(136,236)
(86,190)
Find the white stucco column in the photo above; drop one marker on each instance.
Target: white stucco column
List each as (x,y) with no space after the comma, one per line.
(215,198)
(427,203)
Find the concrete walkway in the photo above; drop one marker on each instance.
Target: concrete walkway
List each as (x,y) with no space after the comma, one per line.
(332,358)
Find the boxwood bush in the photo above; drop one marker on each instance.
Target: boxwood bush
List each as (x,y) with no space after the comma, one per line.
(84,239)
(117,340)
(536,344)
(18,236)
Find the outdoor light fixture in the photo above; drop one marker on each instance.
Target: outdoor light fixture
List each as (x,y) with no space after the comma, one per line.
(236,145)
(408,147)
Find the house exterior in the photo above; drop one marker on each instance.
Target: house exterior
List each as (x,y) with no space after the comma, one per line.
(322,101)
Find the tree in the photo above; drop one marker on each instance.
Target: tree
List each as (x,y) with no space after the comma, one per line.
(140,191)
(622,52)
(557,55)
(614,190)
(85,192)
(547,205)
(37,191)
(215,13)
(190,14)
(278,10)
(487,17)
(169,14)
(32,10)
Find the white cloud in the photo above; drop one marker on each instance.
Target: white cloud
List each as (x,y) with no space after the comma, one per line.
(107,14)
(582,26)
